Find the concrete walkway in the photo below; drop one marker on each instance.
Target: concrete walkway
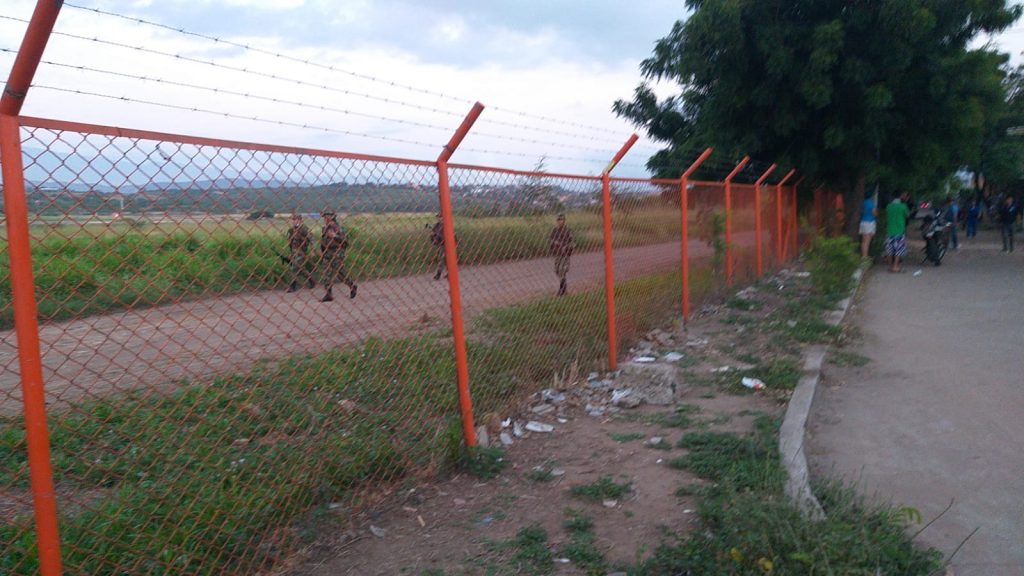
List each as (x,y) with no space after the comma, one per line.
(935,416)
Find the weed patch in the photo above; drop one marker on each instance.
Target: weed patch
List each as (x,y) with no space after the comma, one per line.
(604,489)
(623,437)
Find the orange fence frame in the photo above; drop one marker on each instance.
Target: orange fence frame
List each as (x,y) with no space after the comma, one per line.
(452,263)
(728,218)
(44,17)
(23,282)
(758,243)
(684,206)
(779,237)
(609,271)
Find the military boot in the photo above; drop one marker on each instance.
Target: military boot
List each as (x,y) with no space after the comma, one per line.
(562,287)
(294,286)
(311,284)
(329,296)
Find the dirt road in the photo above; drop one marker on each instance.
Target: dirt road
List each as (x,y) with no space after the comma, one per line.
(934,417)
(155,347)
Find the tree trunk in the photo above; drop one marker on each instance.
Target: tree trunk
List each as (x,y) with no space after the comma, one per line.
(853,197)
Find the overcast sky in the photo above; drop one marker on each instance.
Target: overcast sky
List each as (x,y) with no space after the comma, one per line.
(525,61)
(548,72)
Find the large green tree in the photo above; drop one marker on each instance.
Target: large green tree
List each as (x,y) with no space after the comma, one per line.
(847,91)
(998,164)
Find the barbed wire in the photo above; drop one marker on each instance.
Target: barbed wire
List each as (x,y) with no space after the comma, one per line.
(343,71)
(306,126)
(327,87)
(233,115)
(216,90)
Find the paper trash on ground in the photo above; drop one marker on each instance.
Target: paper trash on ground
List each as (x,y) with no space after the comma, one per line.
(753,383)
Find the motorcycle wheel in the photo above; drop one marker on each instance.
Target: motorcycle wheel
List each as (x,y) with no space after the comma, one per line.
(932,251)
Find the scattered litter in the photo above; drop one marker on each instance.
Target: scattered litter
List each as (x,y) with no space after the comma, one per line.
(506,423)
(542,409)
(486,520)
(620,394)
(378,532)
(420,520)
(335,505)
(673,357)
(644,359)
(562,560)
(517,430)
(482,437)
(658,461)
(687,511)
(506,440)
(697,342)
(561,420)
(552,395)
(746,293)
(408,509)
(595,411)
(593,376)
(610,503)
(557,472)
(721,369)
(802,274)
(917,272)
(753,383)
(791,323)
(539,427)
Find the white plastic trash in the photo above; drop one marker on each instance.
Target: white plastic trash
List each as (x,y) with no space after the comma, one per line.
(539,427)
(644,359)
(753,383)
(673,357)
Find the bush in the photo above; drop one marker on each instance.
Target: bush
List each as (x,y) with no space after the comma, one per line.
(831,262)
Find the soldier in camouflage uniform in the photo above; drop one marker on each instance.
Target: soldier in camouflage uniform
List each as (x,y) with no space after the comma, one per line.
(299,240)
(333,243)
(437,239)
(561,246)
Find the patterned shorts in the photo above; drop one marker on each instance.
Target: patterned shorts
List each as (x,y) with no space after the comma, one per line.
(896,245)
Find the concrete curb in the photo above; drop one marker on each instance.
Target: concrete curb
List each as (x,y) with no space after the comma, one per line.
(791,434)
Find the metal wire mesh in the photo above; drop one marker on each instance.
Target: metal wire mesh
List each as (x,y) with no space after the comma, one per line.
(208,408)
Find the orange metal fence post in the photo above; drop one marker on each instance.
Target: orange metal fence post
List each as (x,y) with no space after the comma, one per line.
(794,220)
(779,237)
(26,324)
(29,55)
(758,225)
(728,218)
(452,262)
(684,205)
(817,210)
(29,360)
(609,270)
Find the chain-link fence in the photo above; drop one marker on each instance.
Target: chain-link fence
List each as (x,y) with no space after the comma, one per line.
(236,339)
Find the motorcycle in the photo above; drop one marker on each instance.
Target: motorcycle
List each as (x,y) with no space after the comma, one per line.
(935,232)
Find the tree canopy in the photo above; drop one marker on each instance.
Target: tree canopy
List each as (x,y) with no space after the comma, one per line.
(846,91)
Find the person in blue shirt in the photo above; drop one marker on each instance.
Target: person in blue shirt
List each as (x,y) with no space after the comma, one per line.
(952,215)
(868,223)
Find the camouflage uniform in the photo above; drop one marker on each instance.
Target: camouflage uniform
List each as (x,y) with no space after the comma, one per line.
(299,240)
(333,243)
(561,246)
(437,239)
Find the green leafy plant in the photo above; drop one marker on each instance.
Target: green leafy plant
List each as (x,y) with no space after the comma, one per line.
(831,262)
(604,488)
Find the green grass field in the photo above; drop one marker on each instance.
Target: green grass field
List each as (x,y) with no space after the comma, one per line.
(85,269)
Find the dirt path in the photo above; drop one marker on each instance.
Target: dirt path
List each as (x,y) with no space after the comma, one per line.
(934,417)
(155,347)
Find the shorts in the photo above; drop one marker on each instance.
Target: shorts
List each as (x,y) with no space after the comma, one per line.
(896,245)
(867,228)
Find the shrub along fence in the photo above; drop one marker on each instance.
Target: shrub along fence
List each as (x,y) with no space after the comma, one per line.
(174,396)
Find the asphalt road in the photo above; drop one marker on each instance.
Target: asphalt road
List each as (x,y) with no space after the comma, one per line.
(934,417)
(152,348)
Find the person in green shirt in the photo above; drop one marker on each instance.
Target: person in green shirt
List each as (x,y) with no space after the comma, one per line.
(896,215)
